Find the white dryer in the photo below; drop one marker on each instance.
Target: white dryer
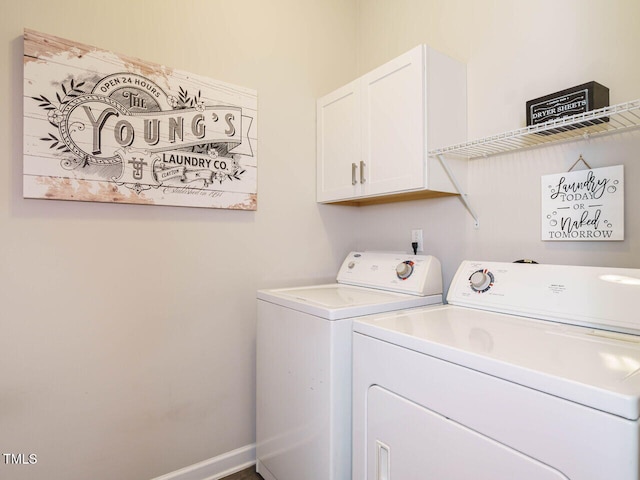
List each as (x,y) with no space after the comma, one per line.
(303,411)
(532,372)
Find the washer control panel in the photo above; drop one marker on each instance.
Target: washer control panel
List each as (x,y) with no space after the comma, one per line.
(397,272)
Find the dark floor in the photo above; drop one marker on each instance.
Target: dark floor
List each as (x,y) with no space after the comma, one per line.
(246,474)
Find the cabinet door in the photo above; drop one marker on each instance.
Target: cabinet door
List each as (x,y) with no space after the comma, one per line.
(393,103)
(338,148)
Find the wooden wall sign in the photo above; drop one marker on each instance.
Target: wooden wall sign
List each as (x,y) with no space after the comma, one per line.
(584,205)
(103,127)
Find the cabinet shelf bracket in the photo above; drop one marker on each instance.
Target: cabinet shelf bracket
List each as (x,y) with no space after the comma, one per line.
(463,195)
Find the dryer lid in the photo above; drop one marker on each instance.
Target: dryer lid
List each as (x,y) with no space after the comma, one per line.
(592,367)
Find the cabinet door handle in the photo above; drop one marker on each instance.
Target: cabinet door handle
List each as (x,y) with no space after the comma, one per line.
(354,167)
(362,165)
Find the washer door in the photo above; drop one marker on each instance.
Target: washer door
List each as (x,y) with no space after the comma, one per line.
(406,440)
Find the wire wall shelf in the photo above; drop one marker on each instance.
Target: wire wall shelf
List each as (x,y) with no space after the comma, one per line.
(605,120)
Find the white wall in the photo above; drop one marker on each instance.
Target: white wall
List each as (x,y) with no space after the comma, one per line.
(552,46)
(127,333)
(515,50)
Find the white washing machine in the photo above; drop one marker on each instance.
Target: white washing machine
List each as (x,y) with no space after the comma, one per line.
(303,414)
(531,372)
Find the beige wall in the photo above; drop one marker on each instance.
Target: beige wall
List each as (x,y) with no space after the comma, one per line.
(127,333)
(515,50)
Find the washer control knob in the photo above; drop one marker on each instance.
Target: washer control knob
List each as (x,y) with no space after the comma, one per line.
(481,280)
(404,269)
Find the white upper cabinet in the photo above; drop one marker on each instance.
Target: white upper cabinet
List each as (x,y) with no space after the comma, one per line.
(374,133)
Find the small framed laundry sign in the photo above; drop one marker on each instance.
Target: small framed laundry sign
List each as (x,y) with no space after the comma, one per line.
(583,205)
(104,127)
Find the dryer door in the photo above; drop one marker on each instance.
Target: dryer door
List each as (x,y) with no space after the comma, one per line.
(406,440)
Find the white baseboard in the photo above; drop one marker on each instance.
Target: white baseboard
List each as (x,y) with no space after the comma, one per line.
(217,467)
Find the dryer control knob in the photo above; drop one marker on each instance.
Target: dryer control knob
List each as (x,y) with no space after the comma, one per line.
(481,280)
(404,269)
